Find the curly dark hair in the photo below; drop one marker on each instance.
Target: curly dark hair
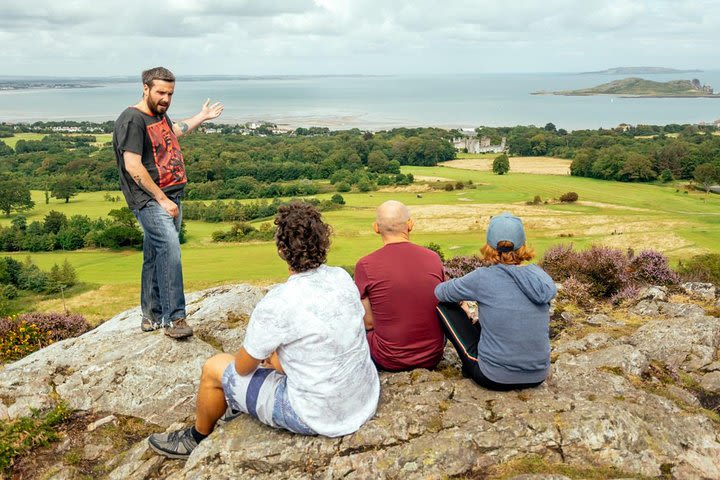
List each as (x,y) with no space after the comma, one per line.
(302,238)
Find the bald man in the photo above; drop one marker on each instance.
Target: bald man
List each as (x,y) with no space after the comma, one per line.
(397,284)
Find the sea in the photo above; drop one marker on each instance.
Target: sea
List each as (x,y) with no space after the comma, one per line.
(378,102)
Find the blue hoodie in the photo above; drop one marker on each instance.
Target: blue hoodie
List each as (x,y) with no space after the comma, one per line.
(513,307)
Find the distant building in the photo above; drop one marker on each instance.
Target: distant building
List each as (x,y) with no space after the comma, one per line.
(472,144)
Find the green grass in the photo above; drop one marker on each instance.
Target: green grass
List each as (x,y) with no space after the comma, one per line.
(100,138)
(691,220)
(12,141)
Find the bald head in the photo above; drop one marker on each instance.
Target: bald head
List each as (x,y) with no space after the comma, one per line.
(392,219)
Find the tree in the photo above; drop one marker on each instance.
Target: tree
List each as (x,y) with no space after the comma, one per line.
(707,175)
(14,195)
(54,221)
(501,164)
(378,162)
(637,168)
(64,187)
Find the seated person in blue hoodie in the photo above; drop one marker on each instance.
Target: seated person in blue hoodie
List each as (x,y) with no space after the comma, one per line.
(508,347)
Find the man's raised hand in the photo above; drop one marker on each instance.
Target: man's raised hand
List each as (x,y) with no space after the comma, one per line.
(211,111)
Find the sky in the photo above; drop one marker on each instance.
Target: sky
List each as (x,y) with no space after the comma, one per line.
(276,37)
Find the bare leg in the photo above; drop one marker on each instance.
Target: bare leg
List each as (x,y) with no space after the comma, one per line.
(211,404)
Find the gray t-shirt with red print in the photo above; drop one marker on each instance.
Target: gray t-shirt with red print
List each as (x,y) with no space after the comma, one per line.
(152,138)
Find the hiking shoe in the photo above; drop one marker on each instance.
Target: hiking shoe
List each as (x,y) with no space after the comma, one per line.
(148,325)
(178,329)
(227,416)
(178,444)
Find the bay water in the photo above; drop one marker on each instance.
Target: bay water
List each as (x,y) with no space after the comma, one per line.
(379,102)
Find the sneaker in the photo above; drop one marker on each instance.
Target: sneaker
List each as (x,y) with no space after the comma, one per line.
(178,444)
(178,329)
(148,325)
(227,416)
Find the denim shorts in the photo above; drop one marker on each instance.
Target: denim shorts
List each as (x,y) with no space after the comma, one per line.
(263,394)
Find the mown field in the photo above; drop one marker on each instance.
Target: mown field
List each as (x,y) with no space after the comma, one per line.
(100,138)
(666,218)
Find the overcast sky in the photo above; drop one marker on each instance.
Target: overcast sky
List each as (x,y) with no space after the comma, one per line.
(257,37)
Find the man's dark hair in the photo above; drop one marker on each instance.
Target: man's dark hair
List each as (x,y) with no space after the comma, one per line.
(302,238)
(157,73)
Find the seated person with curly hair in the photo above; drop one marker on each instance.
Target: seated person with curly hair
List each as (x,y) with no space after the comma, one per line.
(509,347)
(318,377)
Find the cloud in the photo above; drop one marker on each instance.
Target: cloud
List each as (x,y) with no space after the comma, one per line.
(373,36)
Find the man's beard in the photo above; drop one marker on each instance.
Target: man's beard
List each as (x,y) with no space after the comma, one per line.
(156,108)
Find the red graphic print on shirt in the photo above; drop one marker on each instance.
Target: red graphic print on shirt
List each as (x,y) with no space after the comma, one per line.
(168,157)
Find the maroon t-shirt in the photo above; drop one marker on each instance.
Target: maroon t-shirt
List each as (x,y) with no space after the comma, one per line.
(400,279)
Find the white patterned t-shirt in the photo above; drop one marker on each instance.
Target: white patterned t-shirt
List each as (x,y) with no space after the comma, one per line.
(315,322)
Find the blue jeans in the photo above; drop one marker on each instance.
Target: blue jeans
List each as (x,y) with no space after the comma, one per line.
(162,298)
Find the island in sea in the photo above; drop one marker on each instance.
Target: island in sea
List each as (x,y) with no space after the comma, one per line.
(638,87)
(639,71)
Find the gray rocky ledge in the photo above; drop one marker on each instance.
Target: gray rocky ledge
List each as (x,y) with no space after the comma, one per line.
(630,403)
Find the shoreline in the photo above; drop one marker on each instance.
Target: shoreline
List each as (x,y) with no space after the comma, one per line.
(622,95)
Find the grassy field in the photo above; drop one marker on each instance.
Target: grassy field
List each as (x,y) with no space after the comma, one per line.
(100,138)
(623,215)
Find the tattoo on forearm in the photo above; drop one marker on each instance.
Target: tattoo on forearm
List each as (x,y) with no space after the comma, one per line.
(138,180)
(183,127)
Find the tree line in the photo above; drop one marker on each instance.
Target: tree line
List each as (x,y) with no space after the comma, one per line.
(57,232)
(232,165)
(638,153)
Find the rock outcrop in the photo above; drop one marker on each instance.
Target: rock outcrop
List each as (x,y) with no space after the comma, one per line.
(640,402)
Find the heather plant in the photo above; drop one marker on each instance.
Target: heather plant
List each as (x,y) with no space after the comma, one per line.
(575,291)
(627,293)
(608,272)
(26,333)
(461,265)
(652,268)
(559,262)
(604,268)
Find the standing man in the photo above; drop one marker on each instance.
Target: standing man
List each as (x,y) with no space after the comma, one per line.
(152,178)
(397,284)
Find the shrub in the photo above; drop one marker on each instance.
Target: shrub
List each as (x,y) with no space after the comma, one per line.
(575,291)
(627,293)
(26,333)
(666,176)
(652,268)
(604,268)
(342,186)
(535,201)
(569,197)
(437,249)
(559,262)
(116,236)
(23,434)
(701,268)
(608,272)
(244,232)
(461,265)
(338,199)
(449,187)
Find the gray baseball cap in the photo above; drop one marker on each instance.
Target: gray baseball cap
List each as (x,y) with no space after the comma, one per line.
(506,227)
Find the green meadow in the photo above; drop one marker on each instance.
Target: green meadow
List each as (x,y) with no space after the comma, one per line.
(624,215)
(100,138)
